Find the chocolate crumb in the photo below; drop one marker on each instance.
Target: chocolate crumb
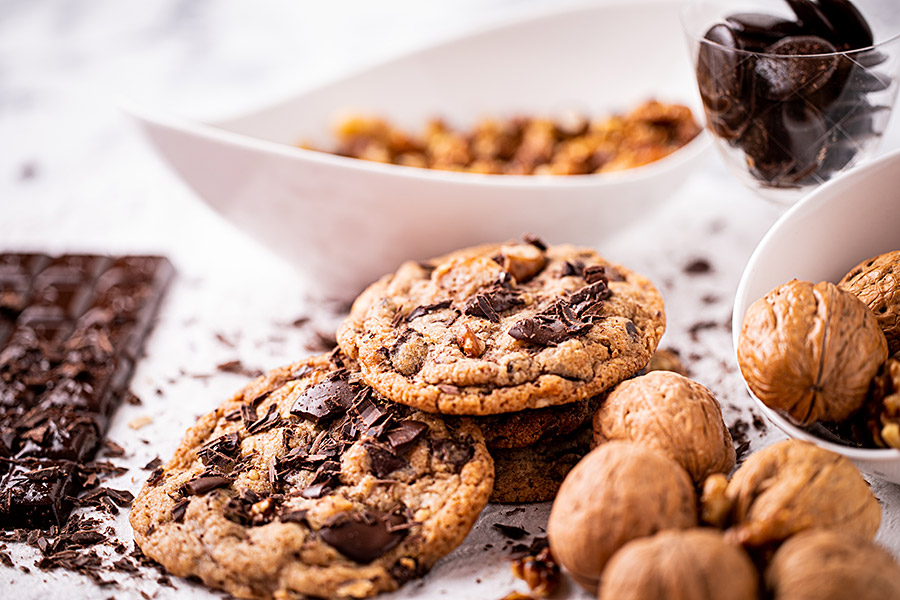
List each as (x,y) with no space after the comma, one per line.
(179,509)
(236,367)
(153,464)
(112,449)
(510,531)
(698,266)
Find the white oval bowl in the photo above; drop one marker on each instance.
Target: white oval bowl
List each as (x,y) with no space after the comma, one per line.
(852,218)
(344,222)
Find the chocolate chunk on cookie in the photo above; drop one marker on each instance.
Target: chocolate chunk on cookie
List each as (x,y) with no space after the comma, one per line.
(503,328)
(307,483)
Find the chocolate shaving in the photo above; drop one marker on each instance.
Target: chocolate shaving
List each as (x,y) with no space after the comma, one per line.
(204,484)
(535,241)
(153,464)
(510,531)
(489,303)
(271,420)
(317,490)
(364,536)
(564,319)
(179,509)
(293,516)
(595,273)
(236,367)
(421,311)
(156,476)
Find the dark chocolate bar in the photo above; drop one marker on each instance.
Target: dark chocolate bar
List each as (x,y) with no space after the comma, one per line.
(71,329)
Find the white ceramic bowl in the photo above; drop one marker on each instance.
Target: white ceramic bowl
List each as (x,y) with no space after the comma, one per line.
(853,217)
(344,222)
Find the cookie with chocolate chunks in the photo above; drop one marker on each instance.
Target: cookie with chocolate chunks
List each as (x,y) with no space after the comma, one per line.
(308,483)
(503,328)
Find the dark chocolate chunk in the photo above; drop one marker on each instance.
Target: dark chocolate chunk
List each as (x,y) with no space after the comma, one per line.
(421,311)
(36,493)
(452,452)
(316,490)
(325,400)
(155,477)
(511,531)
(364,536)
(489,303)
(269,421)
(402,437)
(535,241)
(179,509)
(220,452)
(293,516)
(698,266)
(384,461)
(564,319)
(852,31)
(595,274)
(788,74)
(204,484)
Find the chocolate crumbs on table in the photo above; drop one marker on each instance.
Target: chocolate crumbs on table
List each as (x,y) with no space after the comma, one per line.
(511,531)
(698,266)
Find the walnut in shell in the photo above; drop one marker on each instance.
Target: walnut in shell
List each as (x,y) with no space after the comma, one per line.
(618,492)
(877,283)
(694,564)
(826,565)
(809,351)
(789,487)
(670,413)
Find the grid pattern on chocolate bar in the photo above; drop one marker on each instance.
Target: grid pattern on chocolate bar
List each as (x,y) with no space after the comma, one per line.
(71,329)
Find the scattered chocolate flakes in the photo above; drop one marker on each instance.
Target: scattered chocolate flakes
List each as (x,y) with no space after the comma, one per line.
(572,269)
(698,266)
(300,322)
(179,509)
(269,421)
(236,367)
(535,241)
(739,436)
(5,559)
(132,398)
(204,484)
(364,536)
(220,337)
(510,531)
(564,319)
(489,303)
(220,452)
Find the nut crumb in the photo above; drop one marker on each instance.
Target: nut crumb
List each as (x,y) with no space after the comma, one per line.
(139,422)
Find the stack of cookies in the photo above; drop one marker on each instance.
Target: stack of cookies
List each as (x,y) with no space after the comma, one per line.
(521,337)
(348,474)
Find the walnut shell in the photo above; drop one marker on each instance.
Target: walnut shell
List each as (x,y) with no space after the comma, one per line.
(694,564)
(877,283)
(827,565)
(618,492)
(668,412)
(809,351)
(792,486)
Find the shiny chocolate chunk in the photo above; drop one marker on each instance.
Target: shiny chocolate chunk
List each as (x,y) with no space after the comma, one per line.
(402,437)
(852,31)
(364,536)
(451,452)
(787,74)
(204,484)
(325,400)
(384,461)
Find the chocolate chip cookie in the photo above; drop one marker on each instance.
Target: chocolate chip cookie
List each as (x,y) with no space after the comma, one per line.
(503,328)
(307,483)
(527,427)
(534,473)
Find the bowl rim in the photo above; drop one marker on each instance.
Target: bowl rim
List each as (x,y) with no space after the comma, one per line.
(804,208)
(217,130)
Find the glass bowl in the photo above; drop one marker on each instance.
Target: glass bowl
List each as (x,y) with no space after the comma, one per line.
(792,98)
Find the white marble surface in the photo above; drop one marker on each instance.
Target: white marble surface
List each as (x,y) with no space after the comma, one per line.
(74,175)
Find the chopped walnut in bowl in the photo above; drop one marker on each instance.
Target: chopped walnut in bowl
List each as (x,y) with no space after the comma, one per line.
(572,144)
